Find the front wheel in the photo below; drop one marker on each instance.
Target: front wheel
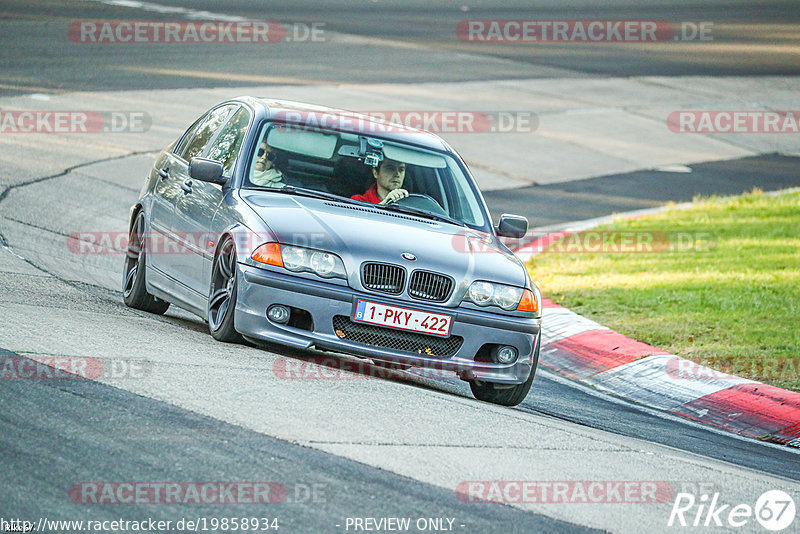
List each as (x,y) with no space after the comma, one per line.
(505,396)
(134,288)
(222,296)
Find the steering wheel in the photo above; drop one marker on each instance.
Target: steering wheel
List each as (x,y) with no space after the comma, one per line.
(423,202)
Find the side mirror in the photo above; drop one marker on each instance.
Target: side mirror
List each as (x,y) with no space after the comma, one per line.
(206,170)
(512,226)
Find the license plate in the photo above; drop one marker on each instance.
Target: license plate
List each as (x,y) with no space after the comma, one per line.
(402,318)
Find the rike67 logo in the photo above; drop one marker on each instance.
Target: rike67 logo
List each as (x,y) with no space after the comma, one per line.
(774,510)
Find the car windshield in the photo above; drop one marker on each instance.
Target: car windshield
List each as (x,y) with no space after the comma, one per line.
(294,160)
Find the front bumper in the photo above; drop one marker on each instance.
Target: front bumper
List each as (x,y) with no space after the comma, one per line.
(258,289)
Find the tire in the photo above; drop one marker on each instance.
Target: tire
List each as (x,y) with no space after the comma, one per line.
(506,396)
(134,288)
(222,295)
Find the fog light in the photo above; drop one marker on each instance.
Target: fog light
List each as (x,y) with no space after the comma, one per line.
(278,314)
(506,354)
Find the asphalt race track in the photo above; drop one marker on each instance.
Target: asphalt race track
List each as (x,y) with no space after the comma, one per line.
(182,408)
(382,41)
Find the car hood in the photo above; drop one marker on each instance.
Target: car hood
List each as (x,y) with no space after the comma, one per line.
(359,234)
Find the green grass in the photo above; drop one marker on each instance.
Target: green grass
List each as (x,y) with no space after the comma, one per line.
(730,299)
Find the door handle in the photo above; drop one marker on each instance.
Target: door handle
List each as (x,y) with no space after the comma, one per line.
(187,186)
(163,173)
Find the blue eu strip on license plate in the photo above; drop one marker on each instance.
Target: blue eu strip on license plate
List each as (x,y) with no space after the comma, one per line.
(360,310)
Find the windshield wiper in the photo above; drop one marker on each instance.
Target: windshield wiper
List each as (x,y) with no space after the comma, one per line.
(302,191)
(422,213)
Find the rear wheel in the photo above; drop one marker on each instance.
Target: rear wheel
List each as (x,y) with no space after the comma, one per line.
(134,288)
(504,395)
(222,295)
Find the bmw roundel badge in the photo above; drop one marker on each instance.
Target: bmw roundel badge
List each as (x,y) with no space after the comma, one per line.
(408,256)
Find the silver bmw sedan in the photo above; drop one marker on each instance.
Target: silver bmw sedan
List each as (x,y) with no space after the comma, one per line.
(325,229)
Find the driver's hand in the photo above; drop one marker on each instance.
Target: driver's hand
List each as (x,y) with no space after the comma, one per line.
(394,196)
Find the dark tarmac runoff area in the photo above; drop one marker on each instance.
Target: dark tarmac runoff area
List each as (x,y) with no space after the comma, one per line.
(564,202)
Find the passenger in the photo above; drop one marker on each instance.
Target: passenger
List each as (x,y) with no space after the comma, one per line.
(389,176)
(264,174)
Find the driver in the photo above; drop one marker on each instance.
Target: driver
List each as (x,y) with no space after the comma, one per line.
(264,174)
(389,176)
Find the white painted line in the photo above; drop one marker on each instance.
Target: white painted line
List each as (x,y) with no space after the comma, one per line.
(193,14)
(673,168)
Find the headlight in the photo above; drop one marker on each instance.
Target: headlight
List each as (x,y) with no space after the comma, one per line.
(480,293)
(506,297)
(323,263)
(487,293)
(294,258)
(300,259)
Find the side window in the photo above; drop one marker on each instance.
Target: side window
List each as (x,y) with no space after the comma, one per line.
(187,136)
(229,141)
(205,132)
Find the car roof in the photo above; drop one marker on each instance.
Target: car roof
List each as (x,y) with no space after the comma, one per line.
(372,126)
